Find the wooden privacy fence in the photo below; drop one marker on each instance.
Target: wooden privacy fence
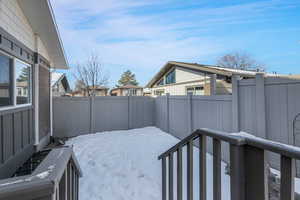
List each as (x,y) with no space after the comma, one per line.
(55,178)
(248,167)
(82,115)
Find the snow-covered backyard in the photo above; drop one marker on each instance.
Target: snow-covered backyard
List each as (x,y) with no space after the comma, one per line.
(123,164)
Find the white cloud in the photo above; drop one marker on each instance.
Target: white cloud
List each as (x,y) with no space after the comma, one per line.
(123,35)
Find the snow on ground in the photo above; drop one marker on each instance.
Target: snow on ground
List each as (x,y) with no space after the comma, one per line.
(123,165)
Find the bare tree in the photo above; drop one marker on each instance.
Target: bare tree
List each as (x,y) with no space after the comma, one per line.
(240,60)
(89,75)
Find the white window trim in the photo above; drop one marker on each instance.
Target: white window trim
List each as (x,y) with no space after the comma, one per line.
(14,82)
(194,88)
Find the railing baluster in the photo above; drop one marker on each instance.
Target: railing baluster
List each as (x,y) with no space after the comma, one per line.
(164,177)
(179,173)
(190,170)
(171,185)
(217,169)
(202,164)
(287,186)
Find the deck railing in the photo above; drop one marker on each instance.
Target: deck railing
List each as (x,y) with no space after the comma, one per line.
(56,178)
(248,167)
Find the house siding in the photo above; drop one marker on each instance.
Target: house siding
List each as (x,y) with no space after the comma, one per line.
(17,124)
(183,74)
(13,20)
(187,78)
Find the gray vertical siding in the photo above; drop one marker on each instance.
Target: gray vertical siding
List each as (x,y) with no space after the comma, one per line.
(16,139)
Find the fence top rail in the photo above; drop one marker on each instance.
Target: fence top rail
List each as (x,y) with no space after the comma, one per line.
(43,180)
(238,139)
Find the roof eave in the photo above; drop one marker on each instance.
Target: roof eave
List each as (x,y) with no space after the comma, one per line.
(42,20)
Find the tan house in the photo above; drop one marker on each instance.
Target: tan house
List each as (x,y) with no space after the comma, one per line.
(179,78)
(98,91)
(127,90)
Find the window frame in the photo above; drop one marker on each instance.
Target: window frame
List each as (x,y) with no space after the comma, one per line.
(14,90)
(170,72)
(161,82)
(194,89)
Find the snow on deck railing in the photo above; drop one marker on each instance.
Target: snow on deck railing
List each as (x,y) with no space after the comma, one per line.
(56,178)
(248,166)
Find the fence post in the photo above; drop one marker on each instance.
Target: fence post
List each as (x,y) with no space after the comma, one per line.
(128,104)
(213,84)
(190,112)
(92,118)
(168,111)
(260,105)
(235,103)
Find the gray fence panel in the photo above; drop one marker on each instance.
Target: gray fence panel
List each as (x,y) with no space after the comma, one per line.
(247,108)
(178,116)
(282,100)
(71,116)
(161,113)
(97,114)
(141,112)
(110,113)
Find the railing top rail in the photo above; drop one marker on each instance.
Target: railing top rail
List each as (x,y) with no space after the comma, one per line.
(207,132)
(42,180)
(276,147)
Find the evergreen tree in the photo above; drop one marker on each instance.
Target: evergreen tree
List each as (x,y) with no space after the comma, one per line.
(127,78)
(24,75)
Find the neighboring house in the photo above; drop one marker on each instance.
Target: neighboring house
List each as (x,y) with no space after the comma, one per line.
(127,90)
(98,91)
(30,46)
(59,84)
(179,78)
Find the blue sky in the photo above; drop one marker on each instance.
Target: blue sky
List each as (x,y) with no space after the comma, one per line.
(142,35)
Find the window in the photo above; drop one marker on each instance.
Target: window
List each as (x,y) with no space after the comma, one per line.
(15,82)
(23,82)
(170,78)
(133,92)
(195,90)
(6,95)
(159,92)
(161,82)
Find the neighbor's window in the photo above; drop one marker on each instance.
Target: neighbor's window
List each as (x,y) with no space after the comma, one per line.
(23,82)
(6,94)
(195,90)
(161,82)
(159,92)
(133,92)
(15,82)
(170,78)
